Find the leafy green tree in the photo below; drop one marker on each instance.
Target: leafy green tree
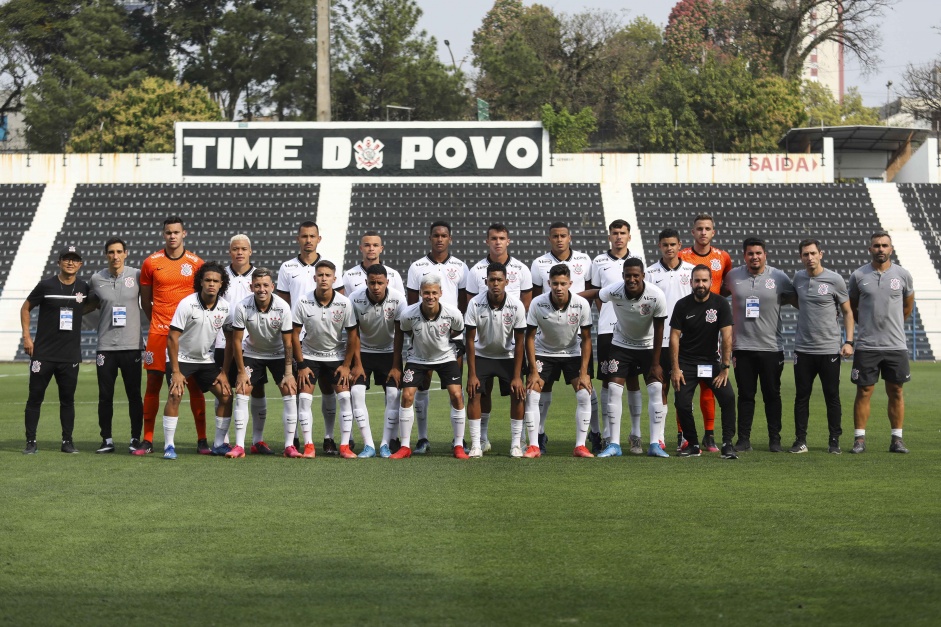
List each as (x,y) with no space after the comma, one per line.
(567,132)
(823,109)
(141,118)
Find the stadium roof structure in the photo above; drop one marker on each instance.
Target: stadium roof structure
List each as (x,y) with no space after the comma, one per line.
(853,138)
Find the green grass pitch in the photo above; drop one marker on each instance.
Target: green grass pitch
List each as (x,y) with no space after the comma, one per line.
(766,539)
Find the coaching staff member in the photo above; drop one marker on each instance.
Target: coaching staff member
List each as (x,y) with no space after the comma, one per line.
(882,296)
(57,351)
(116,291)
(699,321)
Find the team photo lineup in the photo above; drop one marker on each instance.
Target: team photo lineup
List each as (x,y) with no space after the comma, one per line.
(681,323)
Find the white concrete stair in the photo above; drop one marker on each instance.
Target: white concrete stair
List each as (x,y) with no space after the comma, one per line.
(333,218)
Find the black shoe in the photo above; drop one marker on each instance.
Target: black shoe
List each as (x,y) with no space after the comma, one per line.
(352,443)
(743,446)
(691,451)
(134,445)
(394,445)
(106,447)
(330,447)
(423,447)
(297,444)
(728,451)
(897,445)
(835,446)
(595,438)
(799,447)
(859,445)
(775,446)
(203,448)
(708,444)
(31,448)
(68,447)
(543,439)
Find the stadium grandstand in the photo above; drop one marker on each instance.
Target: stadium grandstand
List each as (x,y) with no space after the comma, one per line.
(48,201)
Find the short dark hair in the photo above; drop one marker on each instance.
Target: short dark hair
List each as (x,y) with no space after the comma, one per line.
(807,242)
(667,234)
(879,234)
(261,273)
(438,223)
(496,266)
(210,266)
(115,240)
(559,225)
(753,241)
(633,262)
(308,224)
(377,269)
(619,224)
(499,228)
(372,234)
(174,220)
(559,269)
(699,268)
(325,263)
(704,216)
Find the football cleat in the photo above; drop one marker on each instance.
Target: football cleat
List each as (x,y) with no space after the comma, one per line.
(169,452)
(236,452)
(31,448)
(222,450)
(475,451)
(134,445)
(385,452)
(105,447)
(834,448)
(367,452)
(799,447)
(346,453)
(595,439)
(691,451)
(655,450)
(309,451)
(859,445)
(459,452)
(423,447)
(146,447)
(708,444)
(402,453)
(485,446)
(260,448)
(581,451)
(636,447)
(330,447)
(290,451)
(611,450)
(394,444)
(516,452)
(728,451)
(532,452)
(69,447)
(897,446)
(202,447)
(681,442)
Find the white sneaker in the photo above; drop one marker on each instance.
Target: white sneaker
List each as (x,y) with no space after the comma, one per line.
(516,452)
(475,452)
(485,446)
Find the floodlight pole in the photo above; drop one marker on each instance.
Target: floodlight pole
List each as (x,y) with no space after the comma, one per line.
(323,61)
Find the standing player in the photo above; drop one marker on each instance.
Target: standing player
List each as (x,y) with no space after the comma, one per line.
(672,275)
(435,328)
(519,284)
(719,263)
(325,353)
(370,247)
(116,291)
(376,307)
(296,280)
(558,342)
(606,269)
(882,296)
(57,351)
(262,329)
(192,335)
(453,273)
(166,278)
(821,296)
(698,322)
(640,309)
(758,291)
(579,265)
(496,328)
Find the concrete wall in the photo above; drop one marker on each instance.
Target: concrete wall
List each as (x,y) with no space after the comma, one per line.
(923,166)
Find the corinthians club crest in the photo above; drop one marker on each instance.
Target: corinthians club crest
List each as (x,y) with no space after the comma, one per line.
(368,153)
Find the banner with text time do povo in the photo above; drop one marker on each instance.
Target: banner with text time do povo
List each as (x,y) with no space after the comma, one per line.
(294,150)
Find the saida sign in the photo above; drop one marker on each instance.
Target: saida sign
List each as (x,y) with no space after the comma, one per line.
(296,150)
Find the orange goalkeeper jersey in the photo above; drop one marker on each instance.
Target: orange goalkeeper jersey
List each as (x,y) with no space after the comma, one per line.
(718,261)
(172,281)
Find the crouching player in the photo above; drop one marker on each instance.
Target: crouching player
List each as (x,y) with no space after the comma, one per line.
(558,341)
(640,310)
(261,342)
(435,328)
(376,307)
(190,342)
(324,314)
(496,328)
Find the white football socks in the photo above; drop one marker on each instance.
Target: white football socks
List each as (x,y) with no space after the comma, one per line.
(346,416)
(169,430)
(615,410)
(361,414)
(406,418)
(603,408)
(304,417)
(474,427)
(516,432)
(656,411)
(289,418)
(240,415)
(457,425)
(531,416)
(222,429)
(259,416)
(582,416)
(635,403)
(421,413)
(545,400)
(390,422)
(484,423)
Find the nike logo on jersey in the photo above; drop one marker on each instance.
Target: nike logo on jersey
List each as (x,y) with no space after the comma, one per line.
(834,359)
(693,316)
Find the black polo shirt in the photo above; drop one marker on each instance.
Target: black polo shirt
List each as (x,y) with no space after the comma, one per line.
(700,324)
(57,302)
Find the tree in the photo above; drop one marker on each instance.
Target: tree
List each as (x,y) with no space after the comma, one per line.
(569,133)
(141,118)
(722,28)
(923,91)
(823,109)
(392,63)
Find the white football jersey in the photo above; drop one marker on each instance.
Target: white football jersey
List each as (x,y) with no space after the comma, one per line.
(377,320)
(354,279)
(606,270)
(263,328)
(579,267)
(558,331)
(240,286)
(675,284)
(453,273)
(496,328)
(518,277)
(634,317)
(431,339)
(298,278)
(198,327)
(325,326)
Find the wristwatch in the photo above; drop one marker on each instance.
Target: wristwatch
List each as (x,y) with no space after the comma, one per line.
(723,366)
(850,342)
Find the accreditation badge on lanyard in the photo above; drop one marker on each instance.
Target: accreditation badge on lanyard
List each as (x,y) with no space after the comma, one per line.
(751,307)
(65,318)
(119,316)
